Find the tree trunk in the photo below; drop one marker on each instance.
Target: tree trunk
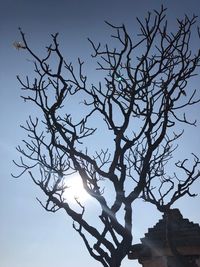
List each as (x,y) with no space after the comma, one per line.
(115,263)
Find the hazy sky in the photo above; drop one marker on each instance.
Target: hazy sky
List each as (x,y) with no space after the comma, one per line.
(29,236)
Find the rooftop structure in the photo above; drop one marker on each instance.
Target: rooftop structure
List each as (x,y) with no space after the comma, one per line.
(172,242)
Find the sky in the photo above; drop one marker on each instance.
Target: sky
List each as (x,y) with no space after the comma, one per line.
(29,236)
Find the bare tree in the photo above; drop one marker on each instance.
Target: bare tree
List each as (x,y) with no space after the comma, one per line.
(141,100)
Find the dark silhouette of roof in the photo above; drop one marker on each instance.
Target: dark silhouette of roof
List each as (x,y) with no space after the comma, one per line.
(171,230)
(182,232)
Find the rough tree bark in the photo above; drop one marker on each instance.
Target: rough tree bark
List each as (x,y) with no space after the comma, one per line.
(146,84)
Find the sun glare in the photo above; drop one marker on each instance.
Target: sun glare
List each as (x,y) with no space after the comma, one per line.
(75,190)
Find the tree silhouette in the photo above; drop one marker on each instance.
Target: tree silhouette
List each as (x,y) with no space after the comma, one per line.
(142,101)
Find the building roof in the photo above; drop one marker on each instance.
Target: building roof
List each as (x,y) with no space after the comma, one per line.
(171,229)
(181,231)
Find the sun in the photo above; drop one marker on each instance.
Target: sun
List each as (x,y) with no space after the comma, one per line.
(75,190)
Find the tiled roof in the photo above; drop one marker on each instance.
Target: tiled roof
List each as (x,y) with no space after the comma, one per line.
(182,232)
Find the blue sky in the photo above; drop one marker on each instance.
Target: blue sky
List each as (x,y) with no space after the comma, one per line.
(29,236)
